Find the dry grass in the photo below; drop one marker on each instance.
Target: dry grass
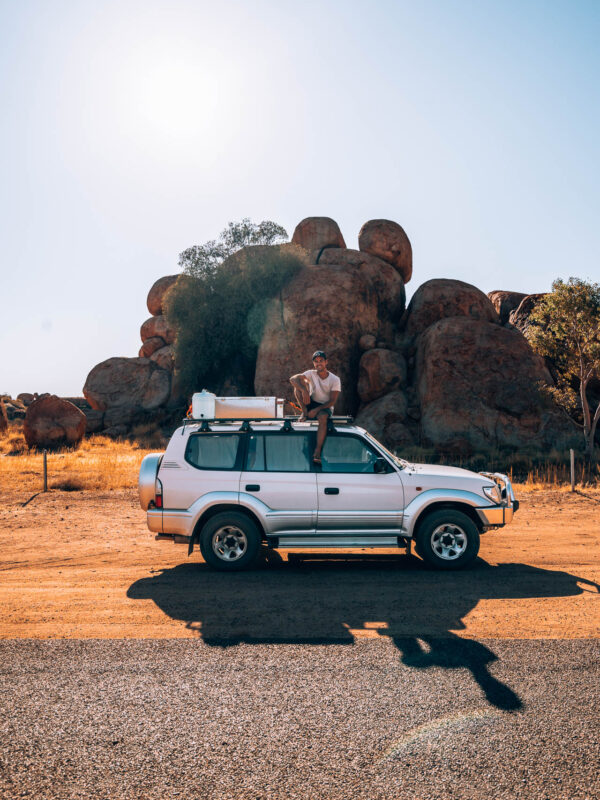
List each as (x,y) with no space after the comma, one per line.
(98,464)
(103,464)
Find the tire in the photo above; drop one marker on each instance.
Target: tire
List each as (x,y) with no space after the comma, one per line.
(230,541)
(447,539)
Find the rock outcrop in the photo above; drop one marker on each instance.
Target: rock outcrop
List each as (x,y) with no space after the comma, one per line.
(505,303)
(453,371)
(164,357)
(3,418)
(386,419)
(52,422)
(388,241)
(157,327)
(14,409)
(379,372)
(382,278)
(477,386)
(325,307)
(157,294)
(314,233)
(150,346)
(135,383)
(440,298)
(520,316)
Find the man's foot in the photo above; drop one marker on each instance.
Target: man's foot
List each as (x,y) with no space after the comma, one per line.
(302,418)
(317,460)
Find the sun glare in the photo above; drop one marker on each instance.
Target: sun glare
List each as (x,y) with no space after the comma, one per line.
(176,98)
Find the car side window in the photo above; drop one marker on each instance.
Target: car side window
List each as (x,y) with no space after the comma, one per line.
(287,453)
(279,452)
(347,454)
(212,451)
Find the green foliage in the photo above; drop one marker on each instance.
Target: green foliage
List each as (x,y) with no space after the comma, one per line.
(565,327)
(206,258)
(219,304)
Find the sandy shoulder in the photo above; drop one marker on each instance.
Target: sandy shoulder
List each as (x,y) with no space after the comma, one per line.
(84,565)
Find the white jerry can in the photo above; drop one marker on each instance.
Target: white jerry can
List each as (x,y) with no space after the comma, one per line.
(205,405)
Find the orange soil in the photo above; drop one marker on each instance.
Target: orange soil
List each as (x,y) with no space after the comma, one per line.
(69,560)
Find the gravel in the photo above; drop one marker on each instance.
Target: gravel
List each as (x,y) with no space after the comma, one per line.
(379,718)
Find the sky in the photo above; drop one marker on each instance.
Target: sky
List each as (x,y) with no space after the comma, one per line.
(133,130)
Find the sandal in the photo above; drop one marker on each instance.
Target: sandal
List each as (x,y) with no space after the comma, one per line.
(317,460)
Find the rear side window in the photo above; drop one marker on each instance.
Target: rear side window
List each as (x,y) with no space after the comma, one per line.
(213,451)
(281,452)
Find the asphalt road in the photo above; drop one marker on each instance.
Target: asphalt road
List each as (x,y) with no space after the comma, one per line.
(392,717)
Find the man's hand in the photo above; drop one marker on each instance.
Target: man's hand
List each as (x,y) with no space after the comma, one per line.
(305,397)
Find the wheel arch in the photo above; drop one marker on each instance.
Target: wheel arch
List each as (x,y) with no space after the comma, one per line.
(454,505)
(219,508)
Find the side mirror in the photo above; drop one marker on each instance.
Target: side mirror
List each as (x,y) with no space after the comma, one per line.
(380,465)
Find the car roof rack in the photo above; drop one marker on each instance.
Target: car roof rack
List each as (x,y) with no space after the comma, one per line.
(287,422)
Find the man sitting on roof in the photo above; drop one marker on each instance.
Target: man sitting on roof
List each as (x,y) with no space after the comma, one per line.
(316,390)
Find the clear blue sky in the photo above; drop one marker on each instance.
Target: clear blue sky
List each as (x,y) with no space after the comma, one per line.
(132,130)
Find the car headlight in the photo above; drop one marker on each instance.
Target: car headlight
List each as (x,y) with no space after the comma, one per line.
(493,492)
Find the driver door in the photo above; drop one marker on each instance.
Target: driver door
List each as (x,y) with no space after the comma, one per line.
(352,497)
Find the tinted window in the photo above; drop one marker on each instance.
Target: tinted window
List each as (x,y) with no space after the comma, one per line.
(212,451)
(347,454)
(287,453)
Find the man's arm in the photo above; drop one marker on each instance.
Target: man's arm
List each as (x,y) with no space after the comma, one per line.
(333,396)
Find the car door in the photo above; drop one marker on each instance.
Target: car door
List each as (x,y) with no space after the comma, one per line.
(280,473)
(352,497)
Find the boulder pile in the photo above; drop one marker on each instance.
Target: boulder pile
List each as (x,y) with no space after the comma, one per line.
(453,371)
(121,391)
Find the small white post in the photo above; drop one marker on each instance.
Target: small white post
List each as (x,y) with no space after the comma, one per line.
(45,471)
(572,453)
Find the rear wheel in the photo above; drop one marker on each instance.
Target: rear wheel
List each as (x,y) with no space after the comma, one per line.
(230,541)
(447,539)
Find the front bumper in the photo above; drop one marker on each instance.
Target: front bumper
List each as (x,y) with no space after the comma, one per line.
(494,516)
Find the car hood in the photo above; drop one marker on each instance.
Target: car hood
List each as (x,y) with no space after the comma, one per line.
(446,472)
(435,476)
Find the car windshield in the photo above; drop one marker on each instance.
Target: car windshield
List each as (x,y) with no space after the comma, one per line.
(400,462)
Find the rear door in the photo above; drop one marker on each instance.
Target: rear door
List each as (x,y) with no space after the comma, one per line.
(279,472)
(352,497)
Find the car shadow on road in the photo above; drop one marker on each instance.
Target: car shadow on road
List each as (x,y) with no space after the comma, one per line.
(328,599)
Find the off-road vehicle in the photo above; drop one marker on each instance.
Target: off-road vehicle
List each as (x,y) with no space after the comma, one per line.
(235,486)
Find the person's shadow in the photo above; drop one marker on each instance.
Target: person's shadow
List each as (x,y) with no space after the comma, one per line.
(318,599)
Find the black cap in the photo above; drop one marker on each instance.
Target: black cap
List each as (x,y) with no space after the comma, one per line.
(319,353)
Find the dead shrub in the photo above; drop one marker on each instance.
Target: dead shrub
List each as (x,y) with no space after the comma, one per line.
(68,485)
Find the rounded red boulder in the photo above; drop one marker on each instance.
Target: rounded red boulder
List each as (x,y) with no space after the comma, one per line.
(387,240)
(157,293)
(52,422)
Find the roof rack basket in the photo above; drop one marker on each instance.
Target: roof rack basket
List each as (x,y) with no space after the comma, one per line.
(287,422)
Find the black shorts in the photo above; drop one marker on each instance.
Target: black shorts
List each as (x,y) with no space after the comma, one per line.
(314,404)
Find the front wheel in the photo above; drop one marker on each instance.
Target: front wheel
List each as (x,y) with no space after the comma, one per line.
(230,541)
(447,539)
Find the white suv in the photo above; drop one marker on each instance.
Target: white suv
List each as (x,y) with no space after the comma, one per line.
(232,486)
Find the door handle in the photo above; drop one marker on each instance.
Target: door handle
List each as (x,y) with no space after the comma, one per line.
(331,490)
(252,487)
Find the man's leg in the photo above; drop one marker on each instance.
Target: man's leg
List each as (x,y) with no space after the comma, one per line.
(300,402)
(323,416)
